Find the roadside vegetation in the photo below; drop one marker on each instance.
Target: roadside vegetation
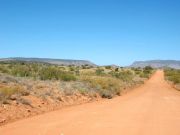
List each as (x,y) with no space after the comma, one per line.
(106,81)
(32,88)
(173,75)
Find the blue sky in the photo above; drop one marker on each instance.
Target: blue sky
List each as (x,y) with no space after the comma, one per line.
(103,31)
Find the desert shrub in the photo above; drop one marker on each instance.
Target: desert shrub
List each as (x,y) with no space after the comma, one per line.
(148,68)
(49,73)
(104,84)
(146,72)
(72,68)
(144,75)
(68,92)
(172,75)
(99,71)
(25,102)
(67,77)
(137,71)
(83,91)
(108,67)
(106,94)
(24,93)
(21,71)
(123,75)
(117,69)
(86,66)
(81,87)
(8,92)
(83,67)
(175,79)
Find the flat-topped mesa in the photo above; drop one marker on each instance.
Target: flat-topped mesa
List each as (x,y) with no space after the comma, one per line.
(157,64)
(65,62)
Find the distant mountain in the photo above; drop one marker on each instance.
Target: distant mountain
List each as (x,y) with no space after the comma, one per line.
(65,62)
(157,64)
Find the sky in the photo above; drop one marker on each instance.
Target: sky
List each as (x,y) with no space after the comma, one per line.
(102,31)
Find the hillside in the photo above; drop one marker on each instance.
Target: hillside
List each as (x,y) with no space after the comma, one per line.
(64,62)
(157,64)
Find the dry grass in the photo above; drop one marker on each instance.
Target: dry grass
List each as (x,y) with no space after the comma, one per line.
(6,92)
(87,71)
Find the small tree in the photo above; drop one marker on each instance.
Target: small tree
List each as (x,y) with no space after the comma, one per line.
(117,69)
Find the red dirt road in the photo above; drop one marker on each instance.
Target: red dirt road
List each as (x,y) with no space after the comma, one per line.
(152,109)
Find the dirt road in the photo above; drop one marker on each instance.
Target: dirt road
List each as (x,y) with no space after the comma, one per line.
(152,109)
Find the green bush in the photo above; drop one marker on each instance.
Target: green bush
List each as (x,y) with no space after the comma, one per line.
(86,66)
(148,68)
(144,75)
(50,73)
(146,72)
(123,75)
(83,91)
(137,71)
(172,75)
(21,71)
(104,85)
(67,77)
(108,67)
(100,71)
(117,69)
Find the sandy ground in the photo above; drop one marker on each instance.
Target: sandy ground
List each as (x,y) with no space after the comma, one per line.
(152,109)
